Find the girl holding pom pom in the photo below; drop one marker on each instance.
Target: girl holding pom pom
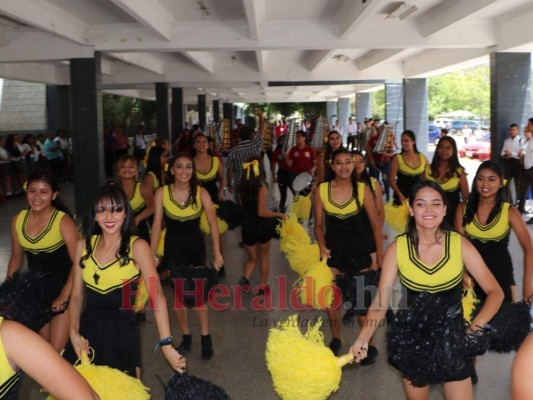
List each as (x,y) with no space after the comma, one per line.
(427,341)
(340,229)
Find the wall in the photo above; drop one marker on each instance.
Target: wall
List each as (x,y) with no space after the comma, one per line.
(22,107)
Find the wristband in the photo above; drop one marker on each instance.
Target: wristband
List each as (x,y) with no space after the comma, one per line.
(163,342)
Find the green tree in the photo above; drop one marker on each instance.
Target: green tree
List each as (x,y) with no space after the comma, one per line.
(128,112)
(377,101)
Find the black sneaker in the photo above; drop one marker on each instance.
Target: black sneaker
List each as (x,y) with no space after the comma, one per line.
(530,221)
(244,282)
(335,345)
(371,356)
(263,290)
(221,272)
(474,377)
(185,345)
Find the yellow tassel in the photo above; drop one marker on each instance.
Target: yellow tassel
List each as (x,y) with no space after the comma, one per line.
(142,296)
(320,294)
(469,302)
(303,257)
(161,244)
(301,366)
(204,224)
(110,383)
(292,234)
(301,207)
(397,216)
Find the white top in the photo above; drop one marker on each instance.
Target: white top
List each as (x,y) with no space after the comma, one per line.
(140,142)
(351,128)
(4,156)
(527,148)
(513,146)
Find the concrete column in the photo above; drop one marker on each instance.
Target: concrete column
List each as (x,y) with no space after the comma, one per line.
(227,111)
(87,130)
(331,111)
(161,110)
(216,111)
(394,106)
(362,106)
(177,112)
(510,96)
(344,114)
(202,111)
(415,110)
(58,107)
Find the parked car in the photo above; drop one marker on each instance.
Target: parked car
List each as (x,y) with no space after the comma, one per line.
(479,150)
(459,124)
(433,134)
(443,122)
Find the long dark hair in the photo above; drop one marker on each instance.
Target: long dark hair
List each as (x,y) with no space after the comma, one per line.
(453,165)
(250,184)
(365,176)
(353,177)
(328,150)
(193,183)
(200,135)
(122,159)
(473,199)
(46,176)
(112,194)
(154,162)
(412,232)
(411,136)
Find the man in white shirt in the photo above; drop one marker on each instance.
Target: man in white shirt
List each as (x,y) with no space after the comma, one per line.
(351,142)
(511,154)
(527,162)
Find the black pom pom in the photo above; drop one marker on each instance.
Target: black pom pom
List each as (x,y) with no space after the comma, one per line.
(187,387)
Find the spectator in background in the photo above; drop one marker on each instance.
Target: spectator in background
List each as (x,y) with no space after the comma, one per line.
(351,129)
(443,132)
(109,151)
(52,152)
(511,156)
(526,183)
(39,143)
(5,169)
(122,143)
(184,143)
(33,158)
(301,157)
(235,133)
(18,161)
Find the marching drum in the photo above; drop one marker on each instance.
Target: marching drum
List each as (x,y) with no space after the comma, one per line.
(302,183)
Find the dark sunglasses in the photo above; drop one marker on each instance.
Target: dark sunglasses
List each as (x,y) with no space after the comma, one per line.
(111,209)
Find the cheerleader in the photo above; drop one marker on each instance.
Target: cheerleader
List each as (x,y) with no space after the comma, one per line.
(281,176)
(427,341)
(446,170)
(110,260)
(180,204)
(47,235)
(487,219)
(407,168)
(136,193)
(340,229)
(324,171)
(258,224)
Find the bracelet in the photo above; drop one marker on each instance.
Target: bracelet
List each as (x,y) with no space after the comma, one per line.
(163,342)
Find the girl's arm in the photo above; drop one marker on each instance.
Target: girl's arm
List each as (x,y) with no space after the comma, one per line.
(31,353)
(148,196)
(463,186)
(17,254)
(522,234)
(221,183)
(158,218)
(480,272)
(378,201)
(262,209)
(377,228)
(380,304)
(213,225)
(319,225)
(144,260)
(459,213)
(147,190)
(392,178)
(76,302)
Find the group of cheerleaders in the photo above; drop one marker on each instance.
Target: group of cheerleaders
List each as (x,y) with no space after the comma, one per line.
(125,223)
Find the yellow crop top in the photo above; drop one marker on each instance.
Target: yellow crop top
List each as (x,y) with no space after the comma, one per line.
(341,211)
(8,376)
(174,210)
(50,238)
(212,173)
(496,230)
(111,276)
(406,169)
(446,274)
(448,185)
(157,183)
(136,200)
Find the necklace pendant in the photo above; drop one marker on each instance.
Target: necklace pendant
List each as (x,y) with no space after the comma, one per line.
(96,278)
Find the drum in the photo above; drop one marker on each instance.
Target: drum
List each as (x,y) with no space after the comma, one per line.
(302,183)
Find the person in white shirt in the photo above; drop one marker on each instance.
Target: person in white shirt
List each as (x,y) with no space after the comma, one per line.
(527,172)
(351,128)
(511,154)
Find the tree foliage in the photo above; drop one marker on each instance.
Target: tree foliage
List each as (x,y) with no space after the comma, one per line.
(128,112)
(309,110)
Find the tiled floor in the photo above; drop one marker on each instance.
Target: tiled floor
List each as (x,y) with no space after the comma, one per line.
(239,339)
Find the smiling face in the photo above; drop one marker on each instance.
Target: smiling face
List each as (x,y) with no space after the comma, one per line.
(110,216)
(201,144)
(445,150)
(40,196)
(359,163)
(428,208)
(335,141)
(488,182)
(343,165)
(407,143)
(182,169)
(127,170)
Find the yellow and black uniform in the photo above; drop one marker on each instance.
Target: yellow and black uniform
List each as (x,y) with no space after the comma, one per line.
(46,252)
(345,230)
(107,322)
(492,242)
(426,341)
(9,378)
(452,189)
(155,178)
(138,204)
(256,229)
(408,176)
(209,179)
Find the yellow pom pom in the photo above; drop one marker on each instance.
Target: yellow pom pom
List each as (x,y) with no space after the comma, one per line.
(302,207)
(469,302)
(317,287)
(204,224)
(397,216)
(160,251)
(292,234)
(303,257)
(142,296)
(301,366)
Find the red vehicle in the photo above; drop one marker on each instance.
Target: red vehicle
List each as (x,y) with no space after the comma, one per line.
(479,150)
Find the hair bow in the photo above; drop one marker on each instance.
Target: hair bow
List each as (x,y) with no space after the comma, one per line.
(251,165)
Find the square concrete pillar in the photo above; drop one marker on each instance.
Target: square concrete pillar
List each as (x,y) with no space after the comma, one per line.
(415,110)
(394,106)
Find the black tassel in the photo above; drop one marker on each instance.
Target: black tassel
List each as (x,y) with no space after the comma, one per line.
(187,387)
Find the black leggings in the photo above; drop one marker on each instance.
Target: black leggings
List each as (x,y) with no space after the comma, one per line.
(284,183)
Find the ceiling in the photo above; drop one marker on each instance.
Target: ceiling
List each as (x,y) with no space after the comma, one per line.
(256,50)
